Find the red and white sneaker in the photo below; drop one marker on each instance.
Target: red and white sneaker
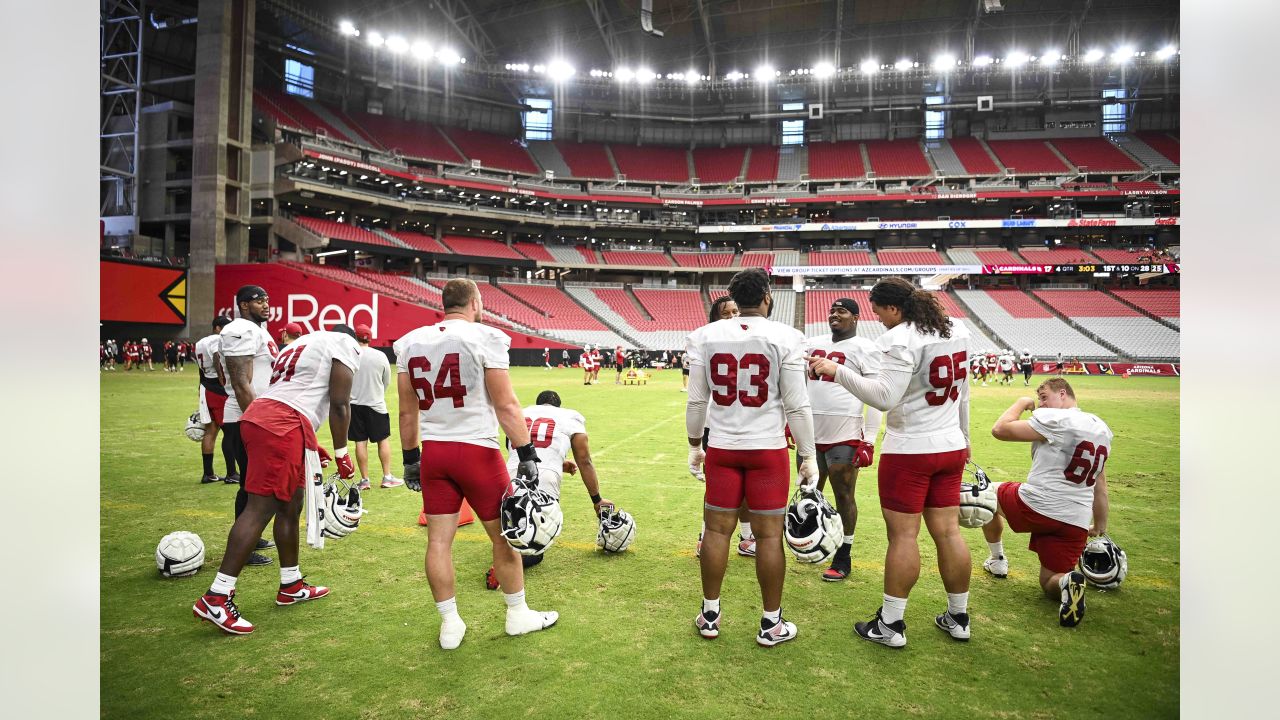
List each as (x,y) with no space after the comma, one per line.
(299,591)
(746,546)
(221,610)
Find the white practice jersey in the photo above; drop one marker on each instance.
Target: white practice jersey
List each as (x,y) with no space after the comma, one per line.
(446,363)
(244,338)
(206,348)
(1066,466)
(837,413)
(1025,359)
(1006,363)
(927,418)
(369,388)
(300,374)
(551,430)
(743,360)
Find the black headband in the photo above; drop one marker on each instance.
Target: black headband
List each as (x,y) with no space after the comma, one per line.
(847,304)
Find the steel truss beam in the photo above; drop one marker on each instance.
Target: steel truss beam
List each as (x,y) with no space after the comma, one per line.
(120,38)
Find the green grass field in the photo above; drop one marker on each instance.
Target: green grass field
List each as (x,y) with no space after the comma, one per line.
(625,645)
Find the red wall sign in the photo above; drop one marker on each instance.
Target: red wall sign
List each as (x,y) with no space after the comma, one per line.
(142,293)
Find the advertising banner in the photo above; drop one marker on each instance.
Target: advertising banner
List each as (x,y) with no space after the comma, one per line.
(944,225)
(140,292)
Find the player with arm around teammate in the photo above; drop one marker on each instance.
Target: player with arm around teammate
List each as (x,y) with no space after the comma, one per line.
(308,381)
(747,384)
(1064,499)
(922,387)
(844,430)
(455,391)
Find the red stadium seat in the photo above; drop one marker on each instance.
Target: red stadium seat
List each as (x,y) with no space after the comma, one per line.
(1161,303)
(418,241)
(494,151)
(636,257)
(652,163)
(562,312)
(840,257)
(1097,154)
(762,166)
(1085,303)
(910,257)
(533,251)
(1162,143)
(718,165)
(898,159)
(411,139)
(973,156)
(480,247)
(1027,157)
(836,161)
(1056,256)
(586,160)
(341,231)
(1018,304)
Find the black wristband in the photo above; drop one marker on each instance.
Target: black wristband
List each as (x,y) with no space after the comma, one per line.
(409,457)
(595,499)
(527,452)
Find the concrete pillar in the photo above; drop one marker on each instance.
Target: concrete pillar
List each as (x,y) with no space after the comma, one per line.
(220,151)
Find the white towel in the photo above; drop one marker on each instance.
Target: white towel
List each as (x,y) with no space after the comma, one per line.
(314,499)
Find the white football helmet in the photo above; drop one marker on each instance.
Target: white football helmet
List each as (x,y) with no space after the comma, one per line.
(194,431)
(978,500)
(530,519)
(617,529)
(343,508)
(812,528)
(1104,564)
(179,554)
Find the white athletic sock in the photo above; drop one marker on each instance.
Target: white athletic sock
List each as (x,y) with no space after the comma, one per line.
(957,603)
(771,616)
(448,607)
(711,605)
(388,476)
(997,549)
(744,529)
(290,575)
(223,584)
(515,600)
(848,539)
(893,609)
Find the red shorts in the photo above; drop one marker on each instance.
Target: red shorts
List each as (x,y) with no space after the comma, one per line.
(216,403)
(276,465)
(762,477)
(823,447)
(1058,544)
(452,471)
(911,483)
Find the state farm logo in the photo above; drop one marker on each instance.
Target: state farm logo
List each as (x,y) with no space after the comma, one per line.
(303,308)
(1091,223)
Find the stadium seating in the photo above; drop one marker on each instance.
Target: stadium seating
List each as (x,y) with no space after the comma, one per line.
(566,253)
(263,105)
(1096,154)
(898,159)
(410,139)
(1139,185)
(494,151)
(705,260)
(840,257)
(306,118)
(756,259)
(1027,157)
(586,160)
(636,257)
(984,256)
(341,231)
(587,253)
(713,165)
(973,156)
(836,161)
(784,303)
(1023,323)
(945,159)
(561,312)
(1162,143)
(817,305)
(910,257)
(533,251)
(1123,256)
(500,301)
(1120,325)
(673,309)
(762,166)
(1163,304)
(652,163)
(418,241)
(480,247)
(793,163)
(1056,256)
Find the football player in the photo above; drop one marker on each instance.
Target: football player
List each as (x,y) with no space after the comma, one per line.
(619,363)
(1026,363)
(247,353)
(147,352)
(455,390)
(747,383)
(289,333)
(546,357)
(1064,500)
(555,432)
(595,365)
(844,430)
(213,400)
(922,384)
(584,361)
(1006,367)
(308,381)
(370,421)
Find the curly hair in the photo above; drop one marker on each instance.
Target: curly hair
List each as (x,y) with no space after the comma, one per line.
(717,307)
(919,307)
(748,287)
(548,397)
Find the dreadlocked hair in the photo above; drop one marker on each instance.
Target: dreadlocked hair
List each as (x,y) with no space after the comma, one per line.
(918,307)
(716,307)
(748,287)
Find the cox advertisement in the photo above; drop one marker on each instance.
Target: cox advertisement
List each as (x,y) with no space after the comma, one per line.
(318,303)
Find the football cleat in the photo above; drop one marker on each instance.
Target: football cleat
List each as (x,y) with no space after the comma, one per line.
(232,479)
(957,626)
(206,479)
(299,591)
(221,610)
(451,631)
(708,624)
(997,566)
(876,630)
(526,620)
(1072,610)
(256,559)
(841,566)
(776,633)
(264,544)
(491,579)
(746,546)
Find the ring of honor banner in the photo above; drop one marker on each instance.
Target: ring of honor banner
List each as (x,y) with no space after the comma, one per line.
(139,292)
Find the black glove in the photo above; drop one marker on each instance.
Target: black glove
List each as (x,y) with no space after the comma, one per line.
(412,477)
(528,467)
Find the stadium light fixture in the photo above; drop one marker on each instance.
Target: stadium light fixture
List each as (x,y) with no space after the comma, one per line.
(944,63)
(422,51)
(1166,52)
(692,77)
(1123,54)
(734,76)
(624,74)
(903,64)
(348,28)
(376,39)
(1016,59)
(397,44)
(559,71)
(1050,57)
(644,76)
(982,61)
(765,73)
(824,70)
(1093,55)
(869,67)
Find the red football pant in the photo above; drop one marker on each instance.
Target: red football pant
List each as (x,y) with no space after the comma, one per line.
(911,483)
(452,471)
(763,477)
(1058,544)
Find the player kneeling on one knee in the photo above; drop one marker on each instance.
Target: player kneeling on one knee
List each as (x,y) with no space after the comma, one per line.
(1064,499)
(309,380)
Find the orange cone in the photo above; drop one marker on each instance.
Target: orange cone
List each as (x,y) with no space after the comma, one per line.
(465,516)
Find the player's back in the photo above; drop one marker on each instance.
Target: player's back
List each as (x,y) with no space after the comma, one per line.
(301,372)
(551,430)
(446,363)
(1065,468)
(742,359)
(206,348)
(927,418)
